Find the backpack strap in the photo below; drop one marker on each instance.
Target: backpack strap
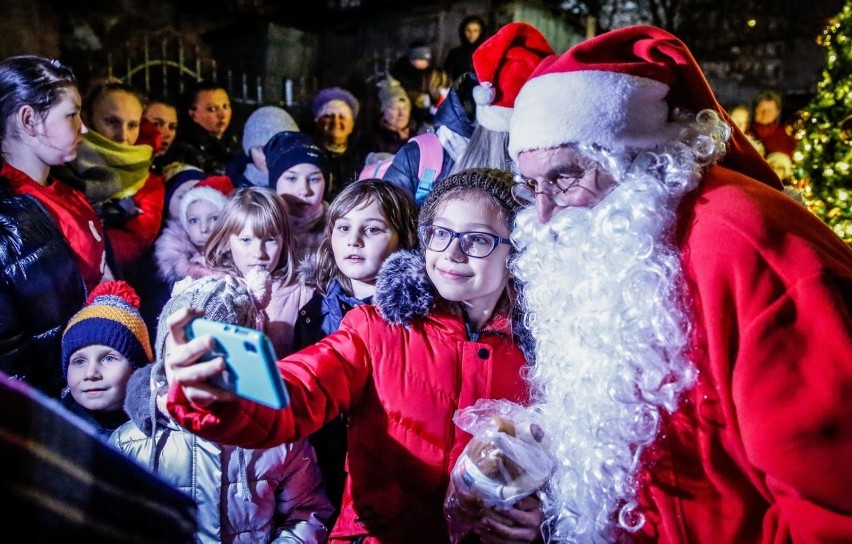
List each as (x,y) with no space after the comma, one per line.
(431,162)
(375,170)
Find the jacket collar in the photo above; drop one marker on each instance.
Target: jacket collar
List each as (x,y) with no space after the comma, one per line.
(405,293)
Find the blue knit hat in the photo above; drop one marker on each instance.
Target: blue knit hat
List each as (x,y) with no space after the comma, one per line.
(287,149)
(110,318)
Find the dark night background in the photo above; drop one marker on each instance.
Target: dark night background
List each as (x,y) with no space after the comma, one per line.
(742,45)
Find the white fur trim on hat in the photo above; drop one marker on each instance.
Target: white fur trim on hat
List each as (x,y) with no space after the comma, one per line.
(494,118)
(200,193)
(614,110)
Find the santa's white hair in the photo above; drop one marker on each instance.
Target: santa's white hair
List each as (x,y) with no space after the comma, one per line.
(604,298)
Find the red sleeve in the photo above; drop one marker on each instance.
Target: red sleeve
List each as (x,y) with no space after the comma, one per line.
(773,289)
(137,234)
(322,381)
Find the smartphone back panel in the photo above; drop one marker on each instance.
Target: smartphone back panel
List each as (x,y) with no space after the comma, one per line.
(250,358)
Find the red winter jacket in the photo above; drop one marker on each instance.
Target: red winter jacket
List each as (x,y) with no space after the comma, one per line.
(136,235)
(400,386)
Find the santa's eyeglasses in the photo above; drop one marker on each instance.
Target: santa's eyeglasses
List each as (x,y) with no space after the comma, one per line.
(473,244)
(525,190)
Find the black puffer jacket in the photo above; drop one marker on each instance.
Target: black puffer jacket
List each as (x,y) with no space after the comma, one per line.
(41,288)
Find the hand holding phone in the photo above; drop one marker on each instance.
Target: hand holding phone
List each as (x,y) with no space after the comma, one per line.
(251,372)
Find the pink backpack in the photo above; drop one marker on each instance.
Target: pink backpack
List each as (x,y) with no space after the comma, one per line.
(431,161)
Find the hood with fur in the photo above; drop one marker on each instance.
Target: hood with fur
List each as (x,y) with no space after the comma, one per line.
(403,290)
(307,270)
(137,402)
(405,293)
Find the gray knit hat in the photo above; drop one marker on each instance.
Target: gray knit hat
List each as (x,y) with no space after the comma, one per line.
(391,92)
(223,298)
(263,124)
(495,182)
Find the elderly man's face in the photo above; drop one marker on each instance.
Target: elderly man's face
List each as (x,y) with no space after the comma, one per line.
(562,177)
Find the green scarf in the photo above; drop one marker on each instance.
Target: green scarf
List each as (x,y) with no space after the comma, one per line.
(107,170)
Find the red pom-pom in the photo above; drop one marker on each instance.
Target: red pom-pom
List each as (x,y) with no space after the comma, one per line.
(117,288)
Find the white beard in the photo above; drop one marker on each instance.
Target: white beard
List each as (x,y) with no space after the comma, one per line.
(604,300)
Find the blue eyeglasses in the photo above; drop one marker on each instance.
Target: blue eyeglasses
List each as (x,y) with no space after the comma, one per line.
(473,244)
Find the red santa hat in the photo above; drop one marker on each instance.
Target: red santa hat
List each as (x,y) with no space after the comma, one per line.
(502,64)
(617,90)
(214,189)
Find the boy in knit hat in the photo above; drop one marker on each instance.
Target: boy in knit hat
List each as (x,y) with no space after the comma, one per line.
(101,347)
(249,169)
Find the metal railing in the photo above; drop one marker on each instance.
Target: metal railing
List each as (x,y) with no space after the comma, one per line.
(165,73)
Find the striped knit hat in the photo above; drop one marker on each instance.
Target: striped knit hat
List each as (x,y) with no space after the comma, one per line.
(110,318)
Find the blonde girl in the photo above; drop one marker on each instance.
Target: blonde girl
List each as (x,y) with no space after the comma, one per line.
(252,240)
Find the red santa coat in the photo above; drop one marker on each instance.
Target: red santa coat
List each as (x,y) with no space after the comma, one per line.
(760,449)
(400,387)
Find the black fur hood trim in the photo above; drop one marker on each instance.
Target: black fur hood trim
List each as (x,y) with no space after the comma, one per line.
(403,290)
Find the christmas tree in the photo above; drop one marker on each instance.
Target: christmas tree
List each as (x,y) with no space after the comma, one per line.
(823,157)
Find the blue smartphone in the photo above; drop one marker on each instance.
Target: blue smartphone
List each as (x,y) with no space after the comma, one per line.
(250,358)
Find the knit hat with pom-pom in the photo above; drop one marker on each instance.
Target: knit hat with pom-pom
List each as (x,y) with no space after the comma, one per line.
(222,298)
(110,318)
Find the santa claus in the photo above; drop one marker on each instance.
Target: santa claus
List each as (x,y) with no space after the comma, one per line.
(692,323)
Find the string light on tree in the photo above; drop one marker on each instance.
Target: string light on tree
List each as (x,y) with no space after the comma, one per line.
(824,132)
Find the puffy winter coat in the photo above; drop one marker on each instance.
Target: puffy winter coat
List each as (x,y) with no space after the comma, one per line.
(452,123)
(250,496)
(41,287)
(400,370)
(177,257)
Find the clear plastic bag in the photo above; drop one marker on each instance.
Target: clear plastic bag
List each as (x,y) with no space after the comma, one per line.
(507,459)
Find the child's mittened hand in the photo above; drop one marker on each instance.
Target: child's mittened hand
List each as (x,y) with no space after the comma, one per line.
(182,362)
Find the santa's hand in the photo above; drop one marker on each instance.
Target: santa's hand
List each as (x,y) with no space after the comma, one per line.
(519,524)
(182,364)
